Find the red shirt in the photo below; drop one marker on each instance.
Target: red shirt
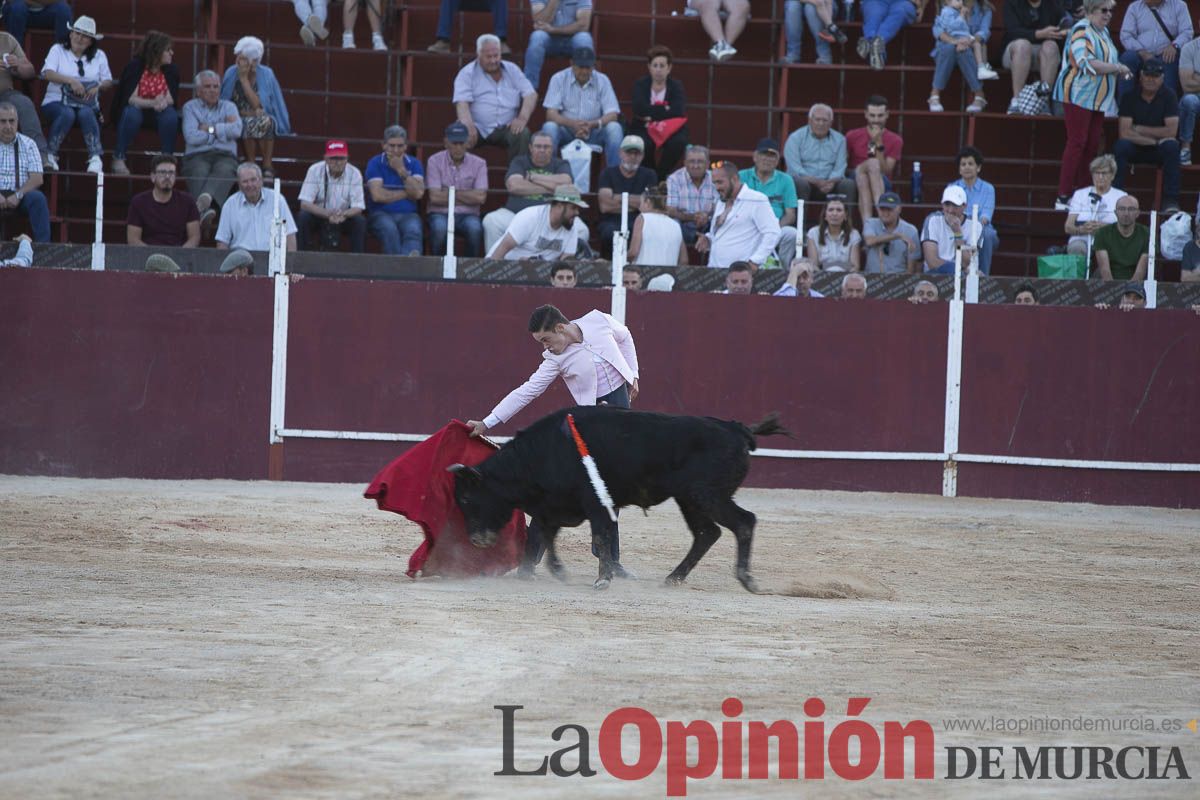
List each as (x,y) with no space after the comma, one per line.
(151,85)
(858,139)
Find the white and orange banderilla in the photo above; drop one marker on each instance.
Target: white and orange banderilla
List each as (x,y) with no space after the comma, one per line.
(589,464)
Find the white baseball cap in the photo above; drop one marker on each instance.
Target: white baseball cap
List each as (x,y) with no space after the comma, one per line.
(954,194)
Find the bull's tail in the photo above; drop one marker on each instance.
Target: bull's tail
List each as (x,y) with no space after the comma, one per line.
(768,426)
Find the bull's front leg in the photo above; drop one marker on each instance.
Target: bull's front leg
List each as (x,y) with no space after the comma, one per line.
(602,534)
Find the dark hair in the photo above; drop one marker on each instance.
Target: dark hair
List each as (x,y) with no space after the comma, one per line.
(729,168)
(847,226)
(89,53)
(971,152)
(634,268)
(163,158)
(1025,286)
(153,48)
(660,50)
(544,318)
(876,100)
(657,196)
(560,266)
(741,266)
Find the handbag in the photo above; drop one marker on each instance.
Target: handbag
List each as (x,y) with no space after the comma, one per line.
(663,129)
(578,155)
(1071,267)
(1034,99)
(72,100)
(1176,232)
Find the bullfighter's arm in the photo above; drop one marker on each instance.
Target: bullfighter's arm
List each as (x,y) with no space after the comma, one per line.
(624,340)
(524,394)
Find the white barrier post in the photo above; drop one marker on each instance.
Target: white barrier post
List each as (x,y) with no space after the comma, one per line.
(958,273)
(799,229)
(619,260)
(449,262)
(278,263)
(1151,283)
(98,245)
(973,267)
(954,340)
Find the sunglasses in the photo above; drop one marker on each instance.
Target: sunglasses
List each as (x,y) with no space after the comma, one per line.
(79,64)
(841,197)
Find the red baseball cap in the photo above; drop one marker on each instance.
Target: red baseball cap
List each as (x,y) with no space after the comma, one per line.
(336,147)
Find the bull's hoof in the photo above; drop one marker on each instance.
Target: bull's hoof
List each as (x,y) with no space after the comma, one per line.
(673,581)
(483,540)
(601,584)
(749,582)
(525,573)
(622,572)
(556,569)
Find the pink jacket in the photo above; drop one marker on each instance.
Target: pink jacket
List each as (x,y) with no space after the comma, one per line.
(602,335)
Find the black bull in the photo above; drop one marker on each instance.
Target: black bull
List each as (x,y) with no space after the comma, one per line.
(643,457)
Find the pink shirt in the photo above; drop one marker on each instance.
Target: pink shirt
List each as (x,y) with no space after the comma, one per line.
(440,173)
(603,336)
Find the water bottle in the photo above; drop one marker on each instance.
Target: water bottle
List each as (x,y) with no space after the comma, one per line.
(916,182)
(849,10)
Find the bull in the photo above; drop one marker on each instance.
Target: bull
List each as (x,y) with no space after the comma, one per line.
(643,458)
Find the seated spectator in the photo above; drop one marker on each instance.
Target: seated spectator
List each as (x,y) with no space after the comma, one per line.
(248,215)
(545,231)
(1189,100)
(253,88)
(854,286)
(834,243)
(1123,248)
(819,14)
(978,14)
(395,184)
(449,8)
(562,275)
(163,217)
(1190,268)
(147,96)
(313,14)
(954,45)
(332,202)
(560,27)
(799,281)
(924,292)
(24,255)
(1032,34)
(631,278)
(744,227)
(873,152)
(467,173)
(780,191)
(374,17)
(1093,207)
(656,239)
(890,242)
(211,128)
(630,177)
(73,98)
(531,180)
(1154,30)
(16,64)
(48,15)
(239,263)
(581,104)
(691,195)
(740,278)
(882,20)
(816,158)
(660,113)
(1148,124)
(979,193)
(1133,296)
(1025,294)
(21,175)
(947,232)
(161,262)
(722,35)
(494,99)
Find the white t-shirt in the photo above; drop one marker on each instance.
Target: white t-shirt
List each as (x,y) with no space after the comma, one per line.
(531,230)
(1082,204)
(836,250)
(935,229)
(345,192)
(63,61)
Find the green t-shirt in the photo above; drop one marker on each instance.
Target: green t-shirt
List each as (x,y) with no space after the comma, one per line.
(780,190)
(1123,253)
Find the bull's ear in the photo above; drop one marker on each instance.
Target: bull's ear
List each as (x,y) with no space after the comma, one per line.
(465,473)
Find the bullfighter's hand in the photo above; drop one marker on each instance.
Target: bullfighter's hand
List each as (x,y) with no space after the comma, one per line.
(633,390)
(477,427)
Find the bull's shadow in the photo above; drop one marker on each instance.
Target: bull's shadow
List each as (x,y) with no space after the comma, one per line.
(642,458)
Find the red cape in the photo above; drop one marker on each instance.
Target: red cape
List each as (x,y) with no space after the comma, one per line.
(417,486)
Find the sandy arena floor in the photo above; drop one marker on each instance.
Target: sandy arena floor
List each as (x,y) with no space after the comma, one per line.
(223,639)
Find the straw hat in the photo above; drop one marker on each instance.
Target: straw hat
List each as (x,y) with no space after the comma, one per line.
(87,27)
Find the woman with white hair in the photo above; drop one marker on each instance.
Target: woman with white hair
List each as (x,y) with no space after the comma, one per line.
(252,87)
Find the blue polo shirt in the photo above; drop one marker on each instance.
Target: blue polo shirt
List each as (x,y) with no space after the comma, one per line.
(378,167)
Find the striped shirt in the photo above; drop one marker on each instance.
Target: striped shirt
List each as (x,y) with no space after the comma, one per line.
(683,194)
(12,178)
(1078,82)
